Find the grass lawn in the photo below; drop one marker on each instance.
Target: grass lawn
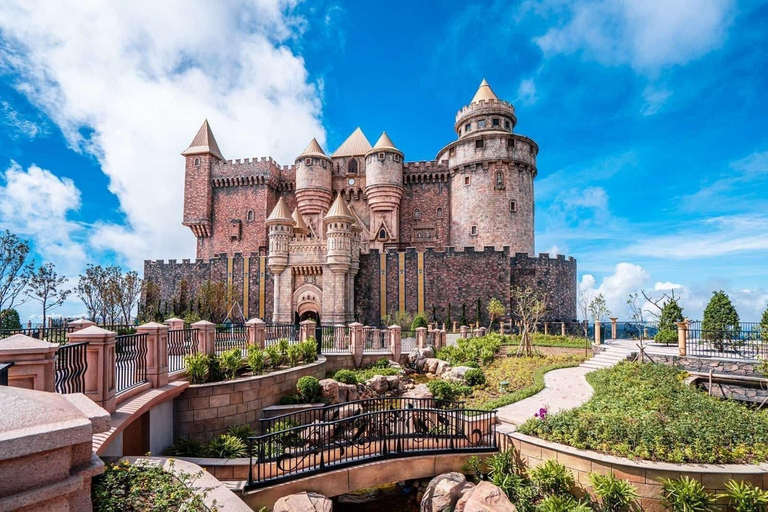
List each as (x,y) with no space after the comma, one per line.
(524,374)
(549,340)
(645,411)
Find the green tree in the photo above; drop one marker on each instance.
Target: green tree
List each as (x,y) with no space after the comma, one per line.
(15,268)
(9,319)
(721,321)
(598,308)
(528,307)
(463,318)
(764,325)
(478,312)
(671,313)
(448,317)
(495,310)
(46,287)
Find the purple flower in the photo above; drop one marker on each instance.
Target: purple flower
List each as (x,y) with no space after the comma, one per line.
(542,414)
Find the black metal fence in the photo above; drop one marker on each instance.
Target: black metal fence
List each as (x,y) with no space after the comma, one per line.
(332,339)
(229,336)
(181,343)
(294,452)
(376,339)
(131,367)
(741,341)
(277,332)
(71,365)
(56,334)
(4,373)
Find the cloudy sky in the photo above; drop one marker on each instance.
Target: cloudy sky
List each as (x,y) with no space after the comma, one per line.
(651,117)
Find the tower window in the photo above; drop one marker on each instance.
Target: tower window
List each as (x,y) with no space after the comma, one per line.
(513,206)
(467,127)
(381,156)
(396,157)
(325,164)
(510,143)
(499,179)
(382,234)
(495,121)
(466,180)
(307,161)
(352,166)
(506,125)
(479,143)
(452,152)
(439,213)
(481,123)
(473,231)
(249,215)
(417,214)
(197,161)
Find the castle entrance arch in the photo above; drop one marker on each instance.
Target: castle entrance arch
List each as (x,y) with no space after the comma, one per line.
(307,303)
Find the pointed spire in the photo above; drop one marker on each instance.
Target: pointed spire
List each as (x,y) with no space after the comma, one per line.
(313,149)
(339,209)
(204,143)
(301,226)
(357,144)
(384,142)
(280,214)
(484,92)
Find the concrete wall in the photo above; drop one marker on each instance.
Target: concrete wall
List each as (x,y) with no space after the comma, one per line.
(701,364)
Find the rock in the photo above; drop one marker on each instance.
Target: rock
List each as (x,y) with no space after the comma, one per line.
(347,411)
(330,390)
(456,373)
(443,492)
(347,393)
(485,497)
(303,502)
(378,383)
(442,368)
(419,391)
(316,434)
(393,382)
(428,352)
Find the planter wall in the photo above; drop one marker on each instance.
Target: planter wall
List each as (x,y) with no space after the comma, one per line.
(702,364)
(337,362)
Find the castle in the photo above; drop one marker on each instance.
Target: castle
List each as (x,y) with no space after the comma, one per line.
(360,233)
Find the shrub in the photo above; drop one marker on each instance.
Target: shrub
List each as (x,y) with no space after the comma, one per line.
(227,446)
(282,346)
(685,495)
(671,313)
(291,400)
(444,390)
(309,350)
(197,366)
(562,503)
(309,389)
(745,497)
(614,493)
(469,351)
(474,377)
(294,355)
(345,376)
(185,448)
(552,478)
(275,358)
(242,432)
(473,468)
(230,362)
(419,321)
(256,359)
(381,362)
(9,319)
(721,321)
(667,336)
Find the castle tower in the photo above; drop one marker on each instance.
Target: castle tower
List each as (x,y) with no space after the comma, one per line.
(300,229)
(384,190)
(492,171)
(313,184)
(280,225)
(200,156)
(336,283)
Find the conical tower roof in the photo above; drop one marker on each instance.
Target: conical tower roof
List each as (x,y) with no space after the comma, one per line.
(301,226)
(313,149)
(484,92)
(204,143)
(356,145)
(280,214)
(384,143)
(339,209)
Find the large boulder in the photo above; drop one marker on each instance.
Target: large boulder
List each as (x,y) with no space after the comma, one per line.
(420,391)
(378,383)
(303,502)
(456,374)
(485,497)
(330,390)
(347,392)
(417,357)
(443,492)
(393,382)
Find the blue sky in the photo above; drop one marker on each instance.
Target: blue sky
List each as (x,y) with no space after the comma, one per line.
(651,118)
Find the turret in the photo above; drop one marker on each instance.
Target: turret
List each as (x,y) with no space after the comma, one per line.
(300,229)
(384,188)
(313,181)
(280,225)
(338,233)
(485,112)
(200,156)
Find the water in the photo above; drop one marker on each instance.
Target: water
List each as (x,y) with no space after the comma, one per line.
(385,498)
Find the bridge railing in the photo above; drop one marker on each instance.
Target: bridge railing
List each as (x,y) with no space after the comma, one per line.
(71,365)
(299,451)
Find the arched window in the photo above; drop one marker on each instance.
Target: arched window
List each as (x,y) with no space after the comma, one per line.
(416,214)
(439,213)
(499,179)
(352,166)
(249,215)
(197,161)
(382,234)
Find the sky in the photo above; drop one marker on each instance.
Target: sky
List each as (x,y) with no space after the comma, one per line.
(650,116)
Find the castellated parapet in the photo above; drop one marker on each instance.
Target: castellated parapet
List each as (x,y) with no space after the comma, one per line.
(364,206)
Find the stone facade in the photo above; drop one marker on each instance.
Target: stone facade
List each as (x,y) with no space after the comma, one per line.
(360,233)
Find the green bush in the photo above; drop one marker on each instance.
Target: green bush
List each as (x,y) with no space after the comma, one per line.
(294,355)
(230,362)
(282,346)
(381,362)
(562,503)
(667,336)
(444,390)
(197,366)
(256,359)
(345,376)
(671,313)
(309,350)
(473,468)
(474,377)
(242,432)
(468,351)
(309,389)
(227,446)
(185,448)
(552,478)
(721,321)
(745,497)
(274,356)
(9,319)
(685,495)
(419,321)
(614,493)
(291,400)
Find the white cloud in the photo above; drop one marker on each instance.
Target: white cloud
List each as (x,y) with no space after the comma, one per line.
(526,92)
(21,126)
(131,82)
(627,278)
(654,98)
(666,286)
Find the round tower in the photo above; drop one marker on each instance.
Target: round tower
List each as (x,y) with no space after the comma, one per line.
(280,225)
(384,189)
(492,171)
(338,233)
(313,181)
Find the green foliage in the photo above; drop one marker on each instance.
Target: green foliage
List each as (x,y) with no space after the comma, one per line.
(473,468)
(294,354)
(474,377)
(291,400)
(615,494)
(282,346)
(9,319)
(126,487)
(671,313)
(562,503)
(381,362)
(185,448)
(685,495)
(546,340)
(463,318)
(256,359)
(309,389)
(363,374)
(666,335)
(745,497)
(345,377)
(444,390)
(419,321)
(242,432)
(645,411)
(495,310)
(309,350)
(227,446)
(764,324)
(197,366)
(403,319)
(598,308)
(472,350)
(552,478)
(230,362)
(721,321)
(274,356)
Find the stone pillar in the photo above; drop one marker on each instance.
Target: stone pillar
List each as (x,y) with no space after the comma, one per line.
(256,330)
(307,329)
(33,362)
(614,328)
(174,324)
(501,328)
(682,338)
(78,325)
(597,332)
(395,342)
(546,327)
(206,337)
(357,342)
(443,338)
(562,328)
(157,352)
(454,327)
(464,331)
(645,333)
(421,337)
(100,378)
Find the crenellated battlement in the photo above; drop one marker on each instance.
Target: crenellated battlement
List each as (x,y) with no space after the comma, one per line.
(485,105)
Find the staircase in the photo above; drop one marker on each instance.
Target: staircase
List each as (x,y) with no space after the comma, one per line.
(607,358)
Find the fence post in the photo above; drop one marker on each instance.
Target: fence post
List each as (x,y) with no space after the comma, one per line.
(614,329)
(33,362)
(206,337)
(597,332)
(464,331)
(157,352)
(546,327)
(356,342)
(562,328)
(682,338)
(256,332)
(454,327)
(421,337)
(174,324)
(100,377)
(307,329)
(395,342)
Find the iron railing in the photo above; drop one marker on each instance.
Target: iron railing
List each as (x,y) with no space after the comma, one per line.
(131,357)
(376,339)
(277,332)
(745,340)
(229,336)
(407,341)
(181,343)
(56,334)
(4,373)
(332,339)
(71,365)
(295,452)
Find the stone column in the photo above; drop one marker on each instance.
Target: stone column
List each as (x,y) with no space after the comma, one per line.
(597,332)
(546,327)
(454,327)
(682,338)
(614,328)
(356,342)
(157,352)
(206,337)
(562,328)
(501,328)
(421,337)
(464,331)
(33,362)
(78,325)
(174,324)
(256,330)
(395,342)
(100,376)
(307,329)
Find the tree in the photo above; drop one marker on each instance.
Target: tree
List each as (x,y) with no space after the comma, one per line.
(721,321)
(598,309)
(495,310)
(9,319)
(448,322)
(131,286)
(583,307)
(764,325)
(671,313)
(15,269)
(528,307)
(463,318)
(46,287)
(478,312)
